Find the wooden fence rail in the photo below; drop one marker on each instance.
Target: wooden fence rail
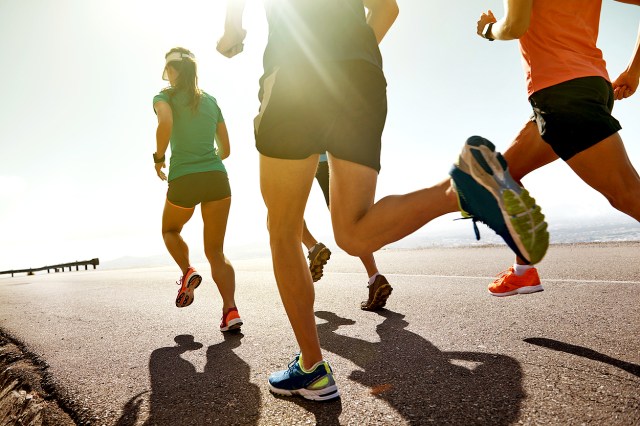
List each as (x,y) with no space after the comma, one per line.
(56,268)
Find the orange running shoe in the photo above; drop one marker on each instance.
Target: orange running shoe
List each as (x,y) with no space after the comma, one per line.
(188,282)
(231,320)
(508,283)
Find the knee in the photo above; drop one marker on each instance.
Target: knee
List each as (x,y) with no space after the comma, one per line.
(214,255)
(353,246)
(625,201)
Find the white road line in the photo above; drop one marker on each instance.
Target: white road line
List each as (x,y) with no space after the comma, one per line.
(467,277)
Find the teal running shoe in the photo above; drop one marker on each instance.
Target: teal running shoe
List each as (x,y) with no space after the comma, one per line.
(316,385)
(487,193)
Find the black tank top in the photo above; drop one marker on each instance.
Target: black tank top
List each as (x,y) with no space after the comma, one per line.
(308,31)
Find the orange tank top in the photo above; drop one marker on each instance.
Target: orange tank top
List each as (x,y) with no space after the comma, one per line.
(560,44)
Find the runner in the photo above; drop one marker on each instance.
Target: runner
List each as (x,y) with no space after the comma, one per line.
(323,90)
(572,98)
(189,120)
(378,287)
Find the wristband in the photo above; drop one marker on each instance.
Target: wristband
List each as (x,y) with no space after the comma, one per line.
(487,31)
(157,160)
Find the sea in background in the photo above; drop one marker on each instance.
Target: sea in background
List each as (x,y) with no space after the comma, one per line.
(458,233)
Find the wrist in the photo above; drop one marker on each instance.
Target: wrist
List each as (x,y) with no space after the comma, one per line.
(486,31)
(157,159)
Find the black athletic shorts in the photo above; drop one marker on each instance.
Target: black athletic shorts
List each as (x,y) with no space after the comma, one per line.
(190,190)
(322,176)
(337,107)
(575,115)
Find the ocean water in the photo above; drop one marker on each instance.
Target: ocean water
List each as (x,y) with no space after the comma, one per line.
(561,232)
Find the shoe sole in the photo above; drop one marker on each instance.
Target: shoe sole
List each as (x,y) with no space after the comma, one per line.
(232,325)
(525,229)
(185,297)
(326,394)
(522,290)
(379,298)
(316,266)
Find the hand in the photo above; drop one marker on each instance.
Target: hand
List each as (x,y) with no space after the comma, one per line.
(485,19)
(231,42)
(159,172)
(624,86)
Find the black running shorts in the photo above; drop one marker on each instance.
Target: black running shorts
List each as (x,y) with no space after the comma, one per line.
(190,190)
(575,115)
(310,109)
(322,176)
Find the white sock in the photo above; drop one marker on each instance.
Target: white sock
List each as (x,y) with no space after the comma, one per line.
(521,269)
(373,277)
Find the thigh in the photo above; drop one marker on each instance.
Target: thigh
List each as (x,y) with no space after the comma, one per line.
(352,188)
(528,152)
(606,167)
(285,186)
(214,217)
(174,217)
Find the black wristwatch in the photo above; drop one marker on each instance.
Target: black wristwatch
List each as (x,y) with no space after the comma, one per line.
(486,33)
(156,159)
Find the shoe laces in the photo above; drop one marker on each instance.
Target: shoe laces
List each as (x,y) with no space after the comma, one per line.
(475,226)
(292,365)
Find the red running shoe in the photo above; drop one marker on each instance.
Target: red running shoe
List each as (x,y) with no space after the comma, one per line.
(508,283)
(188,282)
(231,320)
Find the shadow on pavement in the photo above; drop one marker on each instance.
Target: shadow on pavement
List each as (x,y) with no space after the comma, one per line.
(584,352)
(222,394)
(326,413)
(424,384)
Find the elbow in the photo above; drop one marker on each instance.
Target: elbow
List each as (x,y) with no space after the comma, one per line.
(515,30)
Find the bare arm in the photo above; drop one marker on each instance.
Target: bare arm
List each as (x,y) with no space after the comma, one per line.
(627,83)
(163,134)
(514,23)
(231,42)
(222,137)
(381,16)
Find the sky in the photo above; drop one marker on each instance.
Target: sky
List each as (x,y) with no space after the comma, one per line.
(77,126)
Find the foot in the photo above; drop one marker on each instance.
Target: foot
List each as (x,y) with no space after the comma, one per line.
(188,283)
(231,320)
(508,283)
(488,193)
(379,292)
(318,257)
(316,385)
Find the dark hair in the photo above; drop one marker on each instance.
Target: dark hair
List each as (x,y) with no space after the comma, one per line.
(187,78)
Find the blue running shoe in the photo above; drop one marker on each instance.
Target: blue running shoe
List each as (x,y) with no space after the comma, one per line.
(487,193)
(316,385)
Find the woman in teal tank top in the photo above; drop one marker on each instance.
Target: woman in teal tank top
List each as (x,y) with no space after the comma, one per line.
(190,122)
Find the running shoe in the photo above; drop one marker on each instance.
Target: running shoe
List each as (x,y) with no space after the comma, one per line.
(316,385)
(231,320)
(508,283)
(487,193)
(188,283)
(318,257)
(379,292)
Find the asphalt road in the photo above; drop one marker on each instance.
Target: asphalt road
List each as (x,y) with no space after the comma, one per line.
(444,352)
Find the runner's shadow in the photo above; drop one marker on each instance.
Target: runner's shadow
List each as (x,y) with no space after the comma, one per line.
(326,413)
(222,394)
(424,384)
(586,353)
